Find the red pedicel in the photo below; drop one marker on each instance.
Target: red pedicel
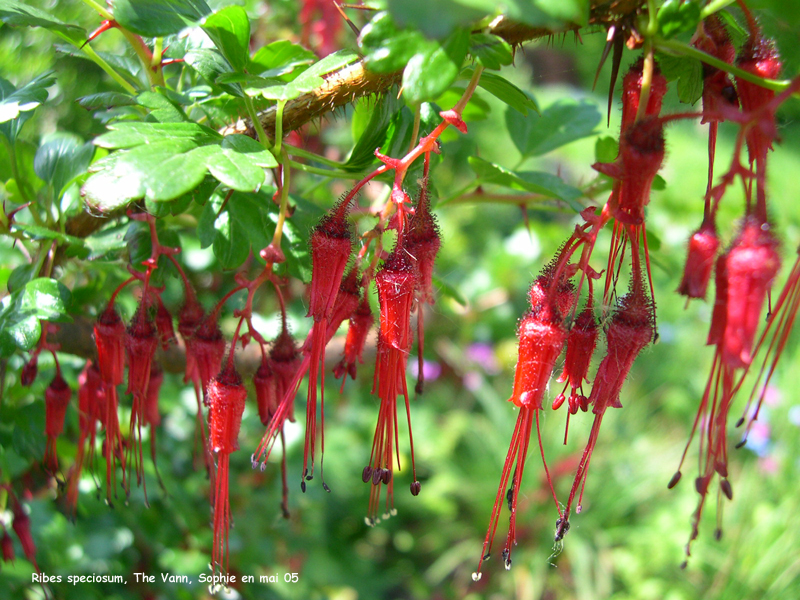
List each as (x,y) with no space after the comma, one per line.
(751,266)
(703,247)
(56,399)
(226,399)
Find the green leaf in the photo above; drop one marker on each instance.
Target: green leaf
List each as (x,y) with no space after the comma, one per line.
(449,291)
(20,313)
(158,18)
(62,158)
(386,47)
(106,100)
(546,13)
(678,16)
(374,133)
(163,161)
(17,105)
(502,89)
(561,123)
(490,51)
(438,18)
(429,73)
(279,58)
(310,79)
(534,182)
(35,232)
(231,245)
(17,14)
(687,71)
(129,135)
(606,149)
(229,29)
(210,64)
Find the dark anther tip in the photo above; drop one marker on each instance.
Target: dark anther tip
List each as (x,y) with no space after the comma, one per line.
(741,444)
(726,488)
(718,534)
(740,422)
(386,476)
(674,481)
(366,474)
(377,475)
(325,487)
(303,486)
(415,488)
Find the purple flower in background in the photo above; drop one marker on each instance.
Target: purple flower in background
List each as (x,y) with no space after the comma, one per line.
(483,354)
(431,370)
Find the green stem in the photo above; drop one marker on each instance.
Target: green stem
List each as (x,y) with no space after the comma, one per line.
(260,133)
(108,69)
(286,172)
(102,11)
(332,173)
(714,6)
(679,48)
(303,153)
(279,126)
(415,130)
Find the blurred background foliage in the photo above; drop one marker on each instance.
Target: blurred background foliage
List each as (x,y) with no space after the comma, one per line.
(627,543)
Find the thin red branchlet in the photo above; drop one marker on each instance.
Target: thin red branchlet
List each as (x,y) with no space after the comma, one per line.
(56,399)
(226,399)
(396,283)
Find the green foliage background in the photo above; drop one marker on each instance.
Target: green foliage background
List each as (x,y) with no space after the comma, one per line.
(629,540)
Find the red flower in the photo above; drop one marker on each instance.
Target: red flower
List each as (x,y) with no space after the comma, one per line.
(56,400)
(360,325)
(703,247)
(226,399)
(7,545)
(751,265)
(109,335)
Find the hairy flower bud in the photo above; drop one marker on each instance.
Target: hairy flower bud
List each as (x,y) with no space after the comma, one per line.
(703,247)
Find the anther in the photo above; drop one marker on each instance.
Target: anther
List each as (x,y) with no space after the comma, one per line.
(366,474)
(674,481)
(415,487)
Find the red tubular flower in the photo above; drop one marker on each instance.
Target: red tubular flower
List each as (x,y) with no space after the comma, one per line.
(56,400)
(264,384)
(190,316)
(152,416)
(141,342)
(396,284)
(581,342)
(90,410)
(109,335)
(422,243)
(166,331)
(541,338)
(7,545)
(631,93)
(208,347)
(22,527)
(226,398)
(29,371)
(360,325)
(641,154)
(331,245)
(630,330)
(751,266)
(703,247)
